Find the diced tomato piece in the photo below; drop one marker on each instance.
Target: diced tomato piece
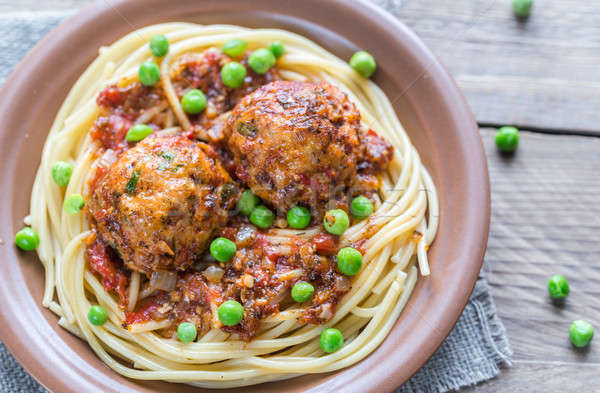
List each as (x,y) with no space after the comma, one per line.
(102,262)
(325,244)
(111,96)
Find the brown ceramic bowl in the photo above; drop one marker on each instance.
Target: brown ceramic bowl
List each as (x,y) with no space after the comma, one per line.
(425,98)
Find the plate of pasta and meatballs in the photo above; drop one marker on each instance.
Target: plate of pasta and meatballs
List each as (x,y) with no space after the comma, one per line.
(228,205)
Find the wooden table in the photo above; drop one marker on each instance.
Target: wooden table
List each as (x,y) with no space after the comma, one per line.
(542,75)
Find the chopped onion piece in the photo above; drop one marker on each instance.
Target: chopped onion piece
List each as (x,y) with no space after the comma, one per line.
(163,280)
(213,273)
(342,284)
(245,236)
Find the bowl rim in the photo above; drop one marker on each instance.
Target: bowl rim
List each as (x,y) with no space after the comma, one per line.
(29,351)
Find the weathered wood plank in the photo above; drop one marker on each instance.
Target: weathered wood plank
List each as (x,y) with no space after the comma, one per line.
(37,6)
(545,220)
(541,378)
(540,73)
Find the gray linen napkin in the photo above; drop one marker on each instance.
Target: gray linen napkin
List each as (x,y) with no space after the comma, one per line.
(473,352)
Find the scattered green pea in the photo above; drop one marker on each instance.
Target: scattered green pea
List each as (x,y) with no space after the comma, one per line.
(247,203)
(27,239)
(261,60)
(522,8)
(277,49)
(581,333)
(97,315)
(61,173)
(222,249)
(558,287)
(73,203)
(336,221)
(349,261)
(302,291)
(331,340)
(363,63)
(262,217)
(298,217)
(138,132)
(159,45)
(233,74)
(361,207)
(149,73)
(507,139)
(230,313)
(234,47)
(186,332)
(193,102)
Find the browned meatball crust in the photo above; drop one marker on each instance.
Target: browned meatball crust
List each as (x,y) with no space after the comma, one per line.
(160,204)
(297,143)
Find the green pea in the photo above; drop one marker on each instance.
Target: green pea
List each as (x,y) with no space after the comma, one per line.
(230,313)
(581,333)
(27,239)
(73,203)
(222,249)
(277,49)
(331,340)
(302,291)
(522,8)
(261,60)
(186,332)
(247,203)
(233,74)
(361,207)
(61,173)
(159,45)
(336,221)
(149,73)
(558,287)
(234,47)
(97,315)
(193,102)
(262,217)
(138,132)
(363,63)
(507,139)
(298,217)
(349,261)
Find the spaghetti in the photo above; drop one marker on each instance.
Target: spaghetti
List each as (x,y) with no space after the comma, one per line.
(394,239)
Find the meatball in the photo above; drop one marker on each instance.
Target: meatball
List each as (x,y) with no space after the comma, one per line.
(161,202)
(296,143)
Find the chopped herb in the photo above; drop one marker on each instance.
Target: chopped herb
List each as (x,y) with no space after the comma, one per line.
(167,156)
(176,168)
(247,129)
(133,181)
(228,191)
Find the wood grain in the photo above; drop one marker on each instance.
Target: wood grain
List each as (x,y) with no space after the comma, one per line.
(545,220)
(41,6)
(540,73)
(541,378)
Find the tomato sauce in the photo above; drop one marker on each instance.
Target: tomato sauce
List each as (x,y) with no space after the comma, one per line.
(107,265)
(254,276)
(146,309)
